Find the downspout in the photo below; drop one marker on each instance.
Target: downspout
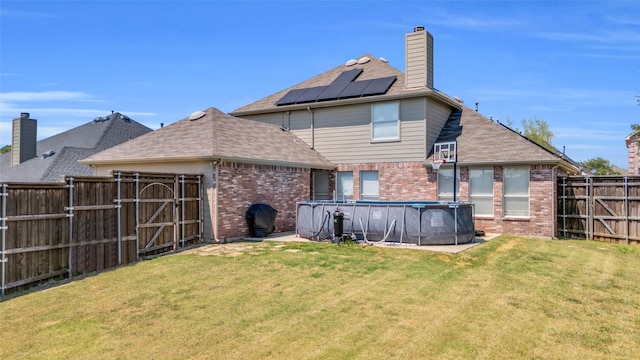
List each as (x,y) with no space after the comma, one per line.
(313,128)
(216,167)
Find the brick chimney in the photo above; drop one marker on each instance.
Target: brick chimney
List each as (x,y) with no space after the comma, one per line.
(418,58)
(23,144)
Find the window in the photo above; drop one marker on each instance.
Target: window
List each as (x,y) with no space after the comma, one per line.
(320,185)
(516,191)
(445,184)
(481,191)
(385,121)
(344,185)
(368,185)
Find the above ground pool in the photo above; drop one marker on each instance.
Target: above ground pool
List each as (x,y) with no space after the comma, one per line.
(415,223)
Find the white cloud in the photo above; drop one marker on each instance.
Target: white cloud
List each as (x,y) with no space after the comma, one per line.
(19,96)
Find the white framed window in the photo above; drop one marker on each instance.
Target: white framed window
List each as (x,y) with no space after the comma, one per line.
(385,121)
(445,183)
(481,191)
(344,185)
(516,191)
(368,185)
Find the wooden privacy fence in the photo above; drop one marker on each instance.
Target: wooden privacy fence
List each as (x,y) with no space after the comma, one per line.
(605,208)
(88,224)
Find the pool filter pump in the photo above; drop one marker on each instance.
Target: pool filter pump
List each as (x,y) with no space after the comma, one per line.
(338,227)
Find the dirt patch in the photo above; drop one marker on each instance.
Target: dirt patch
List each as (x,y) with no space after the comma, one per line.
(507,246)
(444,258)
(233,249)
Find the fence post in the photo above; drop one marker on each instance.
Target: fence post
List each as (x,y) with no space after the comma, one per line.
(589,206)
(70,216)
(564,207)
(200,210)
(626,208)
(119,214)
(136,180)
(182,219)
(3,231)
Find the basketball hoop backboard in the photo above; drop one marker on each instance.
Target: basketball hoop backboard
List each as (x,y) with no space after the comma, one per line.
(446,151)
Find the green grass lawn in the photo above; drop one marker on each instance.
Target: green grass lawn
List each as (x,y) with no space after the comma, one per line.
(511,297)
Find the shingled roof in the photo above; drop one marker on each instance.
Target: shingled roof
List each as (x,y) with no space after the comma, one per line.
(375,68)
(216,136)
(69,147)
(482,141)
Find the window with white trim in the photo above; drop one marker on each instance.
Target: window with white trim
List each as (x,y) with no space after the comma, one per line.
(516,191)
(385,121)
(445,184)
(368,185)
(344,185)
(481,191)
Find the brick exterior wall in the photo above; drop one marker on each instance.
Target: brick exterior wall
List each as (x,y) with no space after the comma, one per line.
(242,185)
(408,181)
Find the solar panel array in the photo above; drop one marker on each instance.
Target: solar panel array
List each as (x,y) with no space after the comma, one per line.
(342,87)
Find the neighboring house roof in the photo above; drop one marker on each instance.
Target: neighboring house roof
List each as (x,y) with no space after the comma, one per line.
(69,147)
(373,69)
(480,141)
(216,136)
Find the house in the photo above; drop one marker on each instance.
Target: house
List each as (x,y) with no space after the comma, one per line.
(631,142)
(379,125)
(243,162)
(50,159)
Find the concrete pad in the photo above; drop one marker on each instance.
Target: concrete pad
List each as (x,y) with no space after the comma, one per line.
(453,249)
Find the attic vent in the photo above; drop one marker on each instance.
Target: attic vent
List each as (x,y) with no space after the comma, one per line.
(47,154)
(364,60)
(384,60)
(197,115)
(351,62)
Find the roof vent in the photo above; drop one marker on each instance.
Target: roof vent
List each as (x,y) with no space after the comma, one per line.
(418,28)
(48,154)
(458,100)
(197,115)
(384,60)
(364,60)
(351,62)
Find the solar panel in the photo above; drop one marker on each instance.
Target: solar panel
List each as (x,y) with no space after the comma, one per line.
(347,76)
(379,86)
(354,89)
(342,87)
(336,87)
(311,94)
(331,92)
(291,97)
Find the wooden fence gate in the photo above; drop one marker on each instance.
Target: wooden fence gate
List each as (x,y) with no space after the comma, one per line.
(605,208)
(89,224)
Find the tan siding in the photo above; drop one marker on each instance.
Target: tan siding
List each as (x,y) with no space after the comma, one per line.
(299,122)
(419,60)
(343,134)
(437,115)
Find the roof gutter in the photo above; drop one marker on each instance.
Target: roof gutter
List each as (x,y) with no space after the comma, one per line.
(212,158)
(363,100)
(563,164)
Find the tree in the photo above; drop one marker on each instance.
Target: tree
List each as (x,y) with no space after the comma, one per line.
(599,166)
(536,130)
(5,149)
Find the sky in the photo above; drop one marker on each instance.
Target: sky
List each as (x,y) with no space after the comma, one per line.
(573,64)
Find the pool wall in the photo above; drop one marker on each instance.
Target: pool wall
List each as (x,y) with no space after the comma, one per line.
(418,223)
